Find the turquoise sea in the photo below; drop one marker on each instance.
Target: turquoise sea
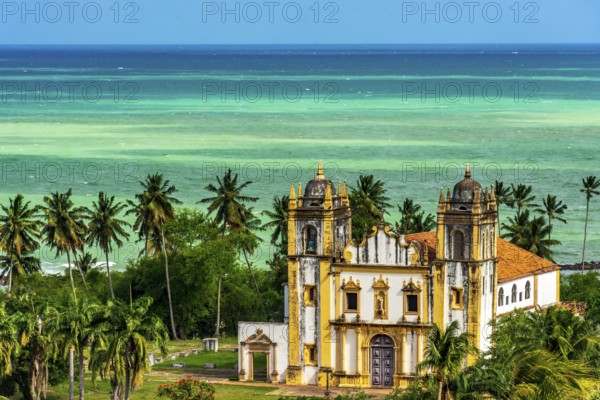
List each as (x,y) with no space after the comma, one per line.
(102,118)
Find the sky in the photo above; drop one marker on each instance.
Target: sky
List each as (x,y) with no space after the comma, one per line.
(298,22)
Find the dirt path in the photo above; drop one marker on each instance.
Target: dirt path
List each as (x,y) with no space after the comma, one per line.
(278,389)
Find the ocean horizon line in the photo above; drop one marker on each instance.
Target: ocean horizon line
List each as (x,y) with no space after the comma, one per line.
(360,47)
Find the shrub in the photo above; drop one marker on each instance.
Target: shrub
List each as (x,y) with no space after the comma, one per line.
(354,395)
(187,389)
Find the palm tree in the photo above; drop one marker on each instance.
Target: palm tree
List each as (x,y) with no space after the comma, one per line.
(105,228)
(590,188)
(25,264)
(532,234)
(133,331)
(78,324)
(541,375)
(37,344)
(521,196)
(8,342)
(233,215)
(19,232)
(373,194)
(228,201)
(156,202)
(502,194)
(85,262)
(64,229)
(143,217)
(368,204)
(445,354)
(413,220)
(552,208)
(279,220)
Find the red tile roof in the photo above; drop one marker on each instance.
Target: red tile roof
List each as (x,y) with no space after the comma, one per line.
(513,261)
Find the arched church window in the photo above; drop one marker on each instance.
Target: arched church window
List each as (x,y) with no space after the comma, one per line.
(310,240)
(527,290)
(458,245)
(513,294)
(501,297)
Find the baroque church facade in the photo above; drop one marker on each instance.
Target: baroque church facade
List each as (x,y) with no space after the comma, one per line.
(359,314)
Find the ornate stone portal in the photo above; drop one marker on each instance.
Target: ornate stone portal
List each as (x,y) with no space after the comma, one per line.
(259,342)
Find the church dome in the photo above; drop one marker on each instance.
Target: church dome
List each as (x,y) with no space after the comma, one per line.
(463,190)
(317,187)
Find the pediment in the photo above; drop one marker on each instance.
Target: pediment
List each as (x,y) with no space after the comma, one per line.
(383,247)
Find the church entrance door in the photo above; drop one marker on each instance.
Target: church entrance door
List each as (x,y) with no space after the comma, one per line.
(382,361)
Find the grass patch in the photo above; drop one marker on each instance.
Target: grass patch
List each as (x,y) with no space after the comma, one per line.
(223,359)
(151,383)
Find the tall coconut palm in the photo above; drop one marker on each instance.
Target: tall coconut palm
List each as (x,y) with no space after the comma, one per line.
(19,232)
(156,202)
(64,229)
(78,324)
(37,343)
(228,202)
(233,215)
(133,331)
(105,228)
(279,220)
(9,344)
(521,196)
(553,209)
(590,188)
(445,354)
(503,197)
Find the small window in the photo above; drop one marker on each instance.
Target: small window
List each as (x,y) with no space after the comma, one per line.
(527,290)
(310,354)
(456,299)
(483,285)
(500,297)
(351,295)
(491,285)
(520,296)
(351,301)
(513,294)
(412,303)
(310,295)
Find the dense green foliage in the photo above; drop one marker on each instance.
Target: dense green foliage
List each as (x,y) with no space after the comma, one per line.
(586,288)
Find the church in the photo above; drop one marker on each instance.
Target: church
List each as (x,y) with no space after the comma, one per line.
(358,314)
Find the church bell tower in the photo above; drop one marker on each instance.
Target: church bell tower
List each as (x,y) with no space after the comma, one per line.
(318,229)
(465,276)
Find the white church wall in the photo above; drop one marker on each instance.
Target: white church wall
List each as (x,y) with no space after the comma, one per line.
(351,351)
(309,331)
(487,304)
(546,288)
(382,249)
(309,376)
(521,300)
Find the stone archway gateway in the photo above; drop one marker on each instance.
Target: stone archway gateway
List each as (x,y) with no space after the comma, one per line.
(258,343)
(382,361)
